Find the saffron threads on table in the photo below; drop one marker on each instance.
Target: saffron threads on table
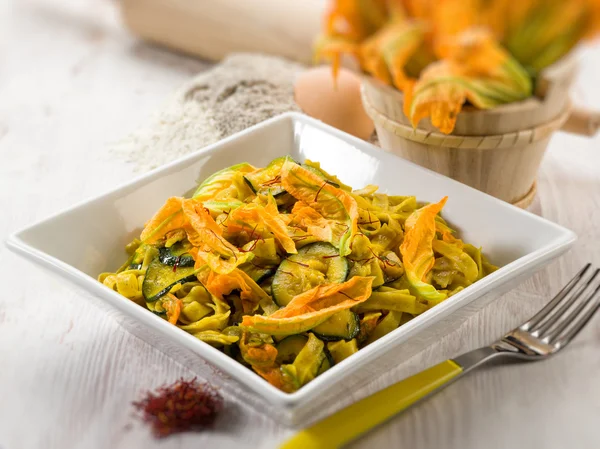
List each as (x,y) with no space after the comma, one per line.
(180,407)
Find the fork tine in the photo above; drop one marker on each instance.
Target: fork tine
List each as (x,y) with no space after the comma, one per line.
(560,315)
(542,314)
(580,322)
(564,318)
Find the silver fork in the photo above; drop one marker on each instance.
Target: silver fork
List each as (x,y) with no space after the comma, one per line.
(549,331)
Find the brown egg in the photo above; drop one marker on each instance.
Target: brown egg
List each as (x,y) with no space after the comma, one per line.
(337,104)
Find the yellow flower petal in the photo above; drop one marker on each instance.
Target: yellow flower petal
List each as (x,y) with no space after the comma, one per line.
(312,307)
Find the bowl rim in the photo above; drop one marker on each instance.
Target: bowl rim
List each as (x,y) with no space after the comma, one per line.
(258,385)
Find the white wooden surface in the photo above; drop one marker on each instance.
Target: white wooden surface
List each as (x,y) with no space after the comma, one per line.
(72,81)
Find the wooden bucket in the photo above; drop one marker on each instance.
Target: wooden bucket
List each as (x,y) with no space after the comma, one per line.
(497,151)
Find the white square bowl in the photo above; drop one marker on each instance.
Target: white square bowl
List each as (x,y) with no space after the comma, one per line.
(89,238)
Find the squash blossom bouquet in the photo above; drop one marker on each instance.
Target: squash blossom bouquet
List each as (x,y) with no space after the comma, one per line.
(444,53)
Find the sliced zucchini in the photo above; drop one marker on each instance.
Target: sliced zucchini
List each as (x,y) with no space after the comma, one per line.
(327,363)
(341,350)
(160,278)
(136,260)
(315,264)
(140,259)
(367,325)
(344,325)
(266,285)
(289,348)
(176,255)
(268,179)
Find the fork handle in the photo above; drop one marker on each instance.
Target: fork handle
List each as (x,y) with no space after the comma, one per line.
(350,422)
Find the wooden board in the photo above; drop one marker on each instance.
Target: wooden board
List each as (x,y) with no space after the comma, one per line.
(213,28)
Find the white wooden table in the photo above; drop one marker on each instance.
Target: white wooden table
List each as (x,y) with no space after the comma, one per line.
(71,82)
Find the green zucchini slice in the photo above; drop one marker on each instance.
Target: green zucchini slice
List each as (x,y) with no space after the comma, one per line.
(289,348)
(344,325)
(367,325)
(160,278)
(327,363)
(136,260)
(266,285)
(315,264)
(176,255)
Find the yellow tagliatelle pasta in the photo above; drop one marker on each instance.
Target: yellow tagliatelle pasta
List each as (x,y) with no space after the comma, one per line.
(288,271)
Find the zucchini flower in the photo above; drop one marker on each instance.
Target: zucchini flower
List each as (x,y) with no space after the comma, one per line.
(396,53)
(474,68)
(540,32)
(346,24)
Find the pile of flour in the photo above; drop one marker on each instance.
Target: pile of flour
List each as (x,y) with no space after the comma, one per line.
(243,90)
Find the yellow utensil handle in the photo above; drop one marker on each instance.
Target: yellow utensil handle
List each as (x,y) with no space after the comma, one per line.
(349,423)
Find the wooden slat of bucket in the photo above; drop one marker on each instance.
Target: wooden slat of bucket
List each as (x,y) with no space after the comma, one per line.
(494,141)
(503,165)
